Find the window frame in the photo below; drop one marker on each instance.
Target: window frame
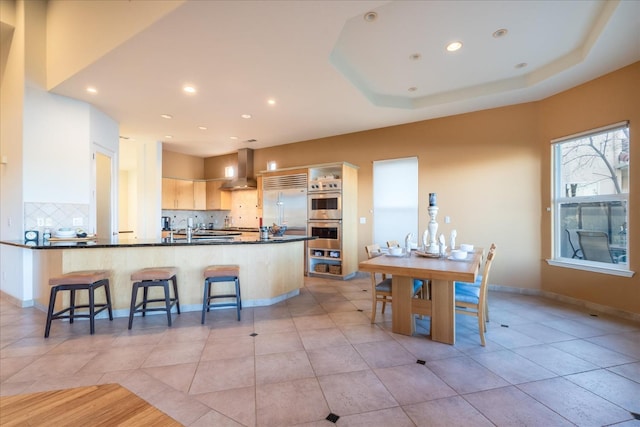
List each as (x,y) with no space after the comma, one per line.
(559,198)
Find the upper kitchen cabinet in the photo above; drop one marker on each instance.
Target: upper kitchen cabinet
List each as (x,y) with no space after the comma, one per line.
(217,199)
(200,195)
(177,194)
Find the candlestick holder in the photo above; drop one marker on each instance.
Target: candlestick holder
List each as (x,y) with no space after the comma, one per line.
(433,247)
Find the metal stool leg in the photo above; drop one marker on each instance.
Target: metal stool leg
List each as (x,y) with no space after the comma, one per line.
(92,310)
(205,299)
(52,303)
(134,295)
(167,299)
(107,293)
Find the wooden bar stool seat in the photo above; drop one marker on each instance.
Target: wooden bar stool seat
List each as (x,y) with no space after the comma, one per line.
(154,277)
(216,274)
(88,280)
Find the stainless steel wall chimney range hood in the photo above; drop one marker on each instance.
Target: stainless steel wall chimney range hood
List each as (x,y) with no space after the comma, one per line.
(245,179)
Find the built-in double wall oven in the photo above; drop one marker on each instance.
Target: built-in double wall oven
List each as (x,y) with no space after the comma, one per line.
(325,213)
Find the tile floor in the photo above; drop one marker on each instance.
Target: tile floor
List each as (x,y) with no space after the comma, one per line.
(545,363)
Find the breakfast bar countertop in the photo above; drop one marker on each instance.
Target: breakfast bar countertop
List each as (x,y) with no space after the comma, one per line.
(108,243)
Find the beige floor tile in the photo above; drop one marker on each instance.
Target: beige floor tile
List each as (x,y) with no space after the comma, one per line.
(228,348)
(575,328)
(30,346)
(320,321)
(512,367)
(413,383)
(238,404)
(465,375)
(382,354)
(366,332)
(542,333)
(9,366)
(179,406)
(593,353)
(508,337)
(318,338)
(575,403)
(140,336)
(346,318)
(424,348)
(448,412)
(630,371)
(611,386)
(215,418)
(555,360)
(177,376)
(177,334)
(81,344)
(289,403)
(333,360)
(223,374)
(355,392)
(138,381)
(280,367)
(625,343)
(118,359)
(277,343)
(57,365)
(173,354)
(268,326)
(509,406)
(390,417)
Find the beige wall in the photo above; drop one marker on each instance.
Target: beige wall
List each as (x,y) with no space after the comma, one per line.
(491,172)
(610,99)
(178,165)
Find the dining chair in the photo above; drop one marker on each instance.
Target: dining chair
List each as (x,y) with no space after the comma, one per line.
(471,300)
(595,246)
(381,289)
(478,282)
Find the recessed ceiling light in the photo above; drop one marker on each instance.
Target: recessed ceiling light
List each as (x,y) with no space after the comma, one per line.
(520,65)
(168,136)
(246,116)
(415,57)
(189,89)
(370,16)
(166,116)
(271,101)
(202,127)
(92,90)
(453,46)
(500,33)
(412,89)
(233,137)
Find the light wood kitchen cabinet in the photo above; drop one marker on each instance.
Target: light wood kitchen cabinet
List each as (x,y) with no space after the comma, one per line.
(217,199)
(200,195)
(177,194)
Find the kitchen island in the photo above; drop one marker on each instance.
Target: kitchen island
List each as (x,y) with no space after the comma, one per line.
(271,270)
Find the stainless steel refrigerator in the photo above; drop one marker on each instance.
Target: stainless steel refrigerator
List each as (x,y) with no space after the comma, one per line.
(286,207)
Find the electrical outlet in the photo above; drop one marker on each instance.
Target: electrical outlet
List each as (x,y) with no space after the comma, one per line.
(77,222)
(363,220)
(447,219)
(48,222)
(40,222)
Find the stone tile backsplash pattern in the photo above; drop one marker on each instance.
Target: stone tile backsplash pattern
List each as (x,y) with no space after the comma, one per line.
(60,214)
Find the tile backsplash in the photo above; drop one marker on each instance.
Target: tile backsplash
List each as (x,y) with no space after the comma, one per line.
(55,215)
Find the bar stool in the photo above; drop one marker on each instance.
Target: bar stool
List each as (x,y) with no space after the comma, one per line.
(88,280)
(152,277)
(221,273)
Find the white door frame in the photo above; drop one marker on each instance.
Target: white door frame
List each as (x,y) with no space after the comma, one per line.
(113,155)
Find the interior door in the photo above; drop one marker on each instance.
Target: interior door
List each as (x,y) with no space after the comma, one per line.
(104,196)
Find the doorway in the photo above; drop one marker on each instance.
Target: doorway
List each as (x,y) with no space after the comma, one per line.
(104,195)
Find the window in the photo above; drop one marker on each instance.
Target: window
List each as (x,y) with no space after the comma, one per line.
(395,199)
(591,198)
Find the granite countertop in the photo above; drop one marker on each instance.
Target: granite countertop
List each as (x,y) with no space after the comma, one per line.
(106,243)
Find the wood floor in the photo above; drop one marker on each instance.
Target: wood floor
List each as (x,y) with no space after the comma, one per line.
(99,405)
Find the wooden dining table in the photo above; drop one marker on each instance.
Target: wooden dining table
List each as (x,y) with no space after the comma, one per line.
(442,272)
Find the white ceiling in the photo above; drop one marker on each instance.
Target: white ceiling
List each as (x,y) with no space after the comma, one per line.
(332,72)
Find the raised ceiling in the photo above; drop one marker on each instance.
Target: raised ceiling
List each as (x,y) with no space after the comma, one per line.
(333,69)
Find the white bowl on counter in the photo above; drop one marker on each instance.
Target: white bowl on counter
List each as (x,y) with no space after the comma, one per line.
(395,250)
(466,247)
(458,254)
(65,232)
